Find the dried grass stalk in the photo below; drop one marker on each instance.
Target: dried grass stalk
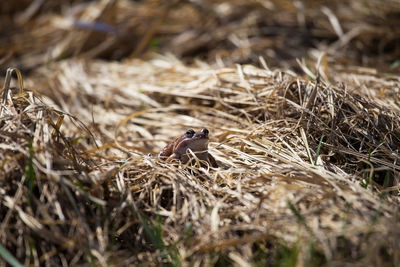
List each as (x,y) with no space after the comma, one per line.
(303,164)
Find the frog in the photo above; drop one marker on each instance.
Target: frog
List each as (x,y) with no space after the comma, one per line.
(197,142)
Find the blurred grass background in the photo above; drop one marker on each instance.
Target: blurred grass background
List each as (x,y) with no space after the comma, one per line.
(219,32)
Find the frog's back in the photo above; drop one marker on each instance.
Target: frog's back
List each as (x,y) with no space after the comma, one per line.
(167,151)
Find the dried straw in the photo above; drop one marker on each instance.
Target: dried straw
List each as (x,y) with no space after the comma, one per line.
(303,163)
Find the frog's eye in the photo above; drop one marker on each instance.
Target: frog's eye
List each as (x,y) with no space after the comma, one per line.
(190,133)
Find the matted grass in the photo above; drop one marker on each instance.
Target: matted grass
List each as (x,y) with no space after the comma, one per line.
(308,154)
(308,166)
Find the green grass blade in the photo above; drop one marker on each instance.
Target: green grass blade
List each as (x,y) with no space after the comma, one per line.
(318,149)
(385,184)
(8,257)
(153,232)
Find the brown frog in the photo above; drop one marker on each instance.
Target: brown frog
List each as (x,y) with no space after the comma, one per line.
(196,142)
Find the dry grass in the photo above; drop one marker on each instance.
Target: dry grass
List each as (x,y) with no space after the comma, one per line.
(308,169)
(218,31)
(308,163)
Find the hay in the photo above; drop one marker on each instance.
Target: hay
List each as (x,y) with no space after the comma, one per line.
(220,32)
(307,152)
(305,164)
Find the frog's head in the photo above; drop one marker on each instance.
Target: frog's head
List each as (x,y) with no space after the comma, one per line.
(196,141)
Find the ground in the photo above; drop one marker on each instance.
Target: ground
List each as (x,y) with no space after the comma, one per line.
(301,100)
